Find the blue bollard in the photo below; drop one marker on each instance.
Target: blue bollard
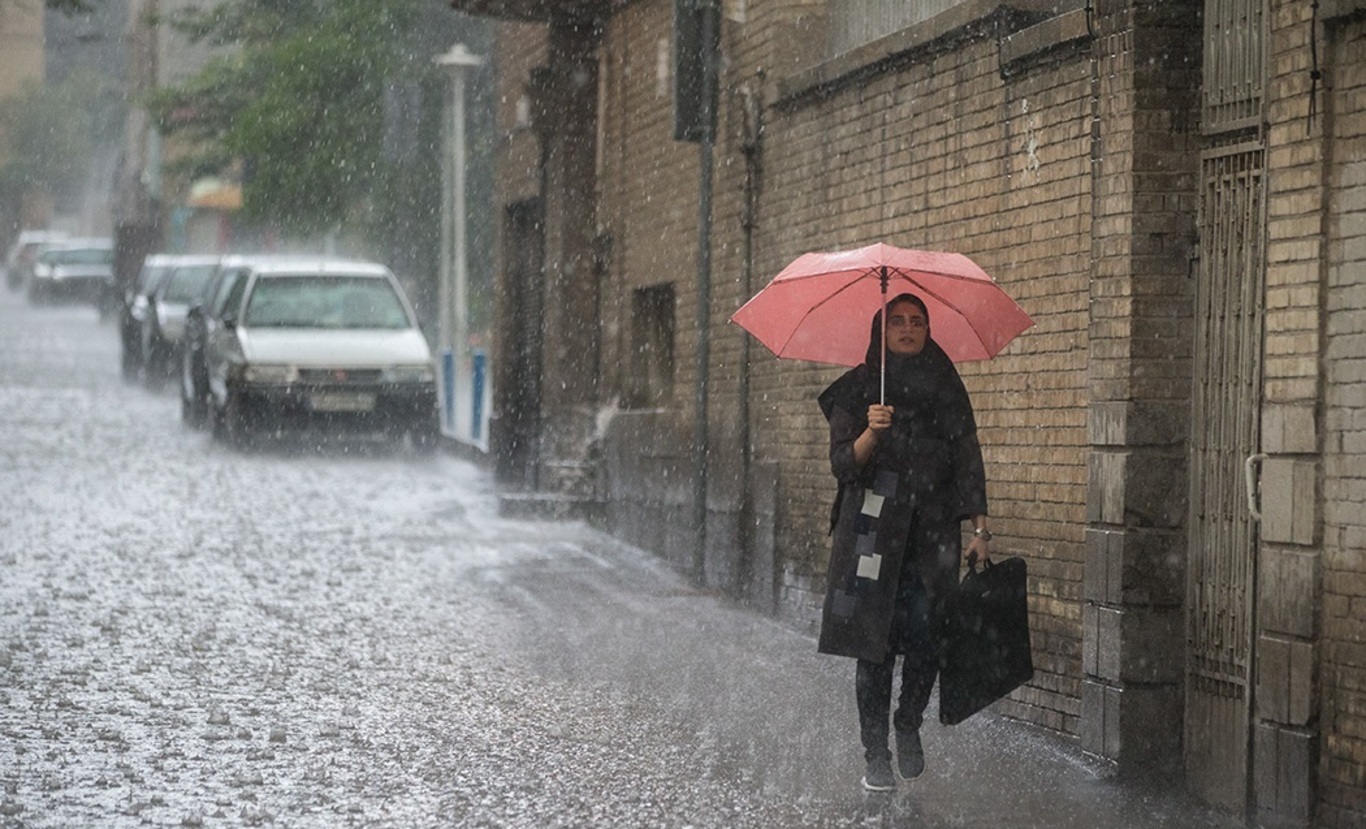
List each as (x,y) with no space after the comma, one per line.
(481,361)
(448,386)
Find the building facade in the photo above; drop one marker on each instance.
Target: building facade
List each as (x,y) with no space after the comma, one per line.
(1174,191)
(21,47)
(21,63)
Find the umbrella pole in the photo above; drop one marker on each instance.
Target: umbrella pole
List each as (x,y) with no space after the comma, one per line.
(882,389)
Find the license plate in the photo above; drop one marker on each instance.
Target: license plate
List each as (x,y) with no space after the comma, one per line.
(342,402)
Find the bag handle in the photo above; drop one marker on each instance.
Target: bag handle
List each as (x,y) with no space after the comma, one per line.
(972,562)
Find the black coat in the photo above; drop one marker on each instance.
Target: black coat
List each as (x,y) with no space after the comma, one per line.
(905,506)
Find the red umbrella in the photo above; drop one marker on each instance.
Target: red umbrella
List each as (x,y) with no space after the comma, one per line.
(818,308)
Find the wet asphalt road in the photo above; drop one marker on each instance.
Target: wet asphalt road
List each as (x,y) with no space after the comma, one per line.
(192,636)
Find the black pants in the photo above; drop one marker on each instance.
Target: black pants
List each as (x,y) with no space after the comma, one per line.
(912,637)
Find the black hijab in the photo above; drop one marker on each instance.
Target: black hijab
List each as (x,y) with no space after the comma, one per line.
(925,390)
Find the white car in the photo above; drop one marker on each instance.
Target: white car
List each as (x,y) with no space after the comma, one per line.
(135,305)
(162,320)
(75,268)
(317,344)
(24,253)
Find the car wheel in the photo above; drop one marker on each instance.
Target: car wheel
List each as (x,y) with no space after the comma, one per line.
(192,406)
(154,369)
(128,366)
(216,427)
(235,423)
(229,423)
(426,438)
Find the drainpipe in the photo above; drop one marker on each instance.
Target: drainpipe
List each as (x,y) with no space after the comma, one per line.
(748,220)
(705,175)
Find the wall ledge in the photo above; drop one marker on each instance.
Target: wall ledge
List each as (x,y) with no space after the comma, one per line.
(968,21)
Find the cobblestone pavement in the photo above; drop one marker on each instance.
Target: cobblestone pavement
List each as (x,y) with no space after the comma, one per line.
(197,637)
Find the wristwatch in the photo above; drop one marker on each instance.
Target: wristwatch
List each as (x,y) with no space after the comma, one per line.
(982,533)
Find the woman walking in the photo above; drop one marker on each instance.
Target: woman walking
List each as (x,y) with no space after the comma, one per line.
(910,471)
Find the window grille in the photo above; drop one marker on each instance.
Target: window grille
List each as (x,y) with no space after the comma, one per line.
(650,384)
(854,23)
(1235,64)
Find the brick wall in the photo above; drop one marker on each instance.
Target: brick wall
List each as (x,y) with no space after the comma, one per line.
(1138,378)
(985,146)
(648,186)
(943,153)
(1343,748)
(518,48)
(1283,736)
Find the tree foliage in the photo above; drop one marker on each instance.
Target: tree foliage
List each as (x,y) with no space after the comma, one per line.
(299,100)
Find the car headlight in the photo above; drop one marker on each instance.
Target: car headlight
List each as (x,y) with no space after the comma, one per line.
(270,375)
(423,373)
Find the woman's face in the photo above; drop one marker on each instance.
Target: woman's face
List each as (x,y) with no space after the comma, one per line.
(907,329)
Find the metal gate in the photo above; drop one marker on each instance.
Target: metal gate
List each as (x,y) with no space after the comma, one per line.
(1221,575)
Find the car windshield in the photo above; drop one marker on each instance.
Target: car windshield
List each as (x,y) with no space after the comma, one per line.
(80,256)
(187,283)
(151,277)
(324,302)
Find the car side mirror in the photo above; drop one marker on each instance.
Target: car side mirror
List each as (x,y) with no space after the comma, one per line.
(229,321)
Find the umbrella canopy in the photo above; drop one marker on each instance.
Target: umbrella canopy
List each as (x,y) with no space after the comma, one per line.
(819,307)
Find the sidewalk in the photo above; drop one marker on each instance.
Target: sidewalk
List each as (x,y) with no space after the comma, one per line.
(782,717)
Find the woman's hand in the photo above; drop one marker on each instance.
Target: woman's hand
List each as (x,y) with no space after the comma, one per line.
(879,418)
(879,421)
(981,547)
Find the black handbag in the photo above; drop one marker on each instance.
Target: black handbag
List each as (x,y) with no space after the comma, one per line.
(984,649)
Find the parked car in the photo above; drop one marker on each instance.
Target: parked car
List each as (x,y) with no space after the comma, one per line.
(163,320)
(309,344)
(202,319)
(73,269)
(24,253)
(135,304)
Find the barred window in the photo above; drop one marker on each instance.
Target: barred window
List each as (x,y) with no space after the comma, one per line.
(651,380)
(855,23)
(1235,64)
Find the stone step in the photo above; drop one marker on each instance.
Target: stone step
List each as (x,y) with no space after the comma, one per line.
(549,506)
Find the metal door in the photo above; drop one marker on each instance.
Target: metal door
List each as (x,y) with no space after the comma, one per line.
(1221,574)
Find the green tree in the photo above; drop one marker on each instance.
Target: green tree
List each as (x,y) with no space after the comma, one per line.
(331,112)
(300,102)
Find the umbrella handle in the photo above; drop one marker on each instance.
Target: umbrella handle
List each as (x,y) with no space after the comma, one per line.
(882,312)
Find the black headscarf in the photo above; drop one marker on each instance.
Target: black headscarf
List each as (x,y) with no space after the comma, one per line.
(928,396)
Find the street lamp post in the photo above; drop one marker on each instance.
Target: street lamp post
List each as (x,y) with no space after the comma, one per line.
(453,320)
